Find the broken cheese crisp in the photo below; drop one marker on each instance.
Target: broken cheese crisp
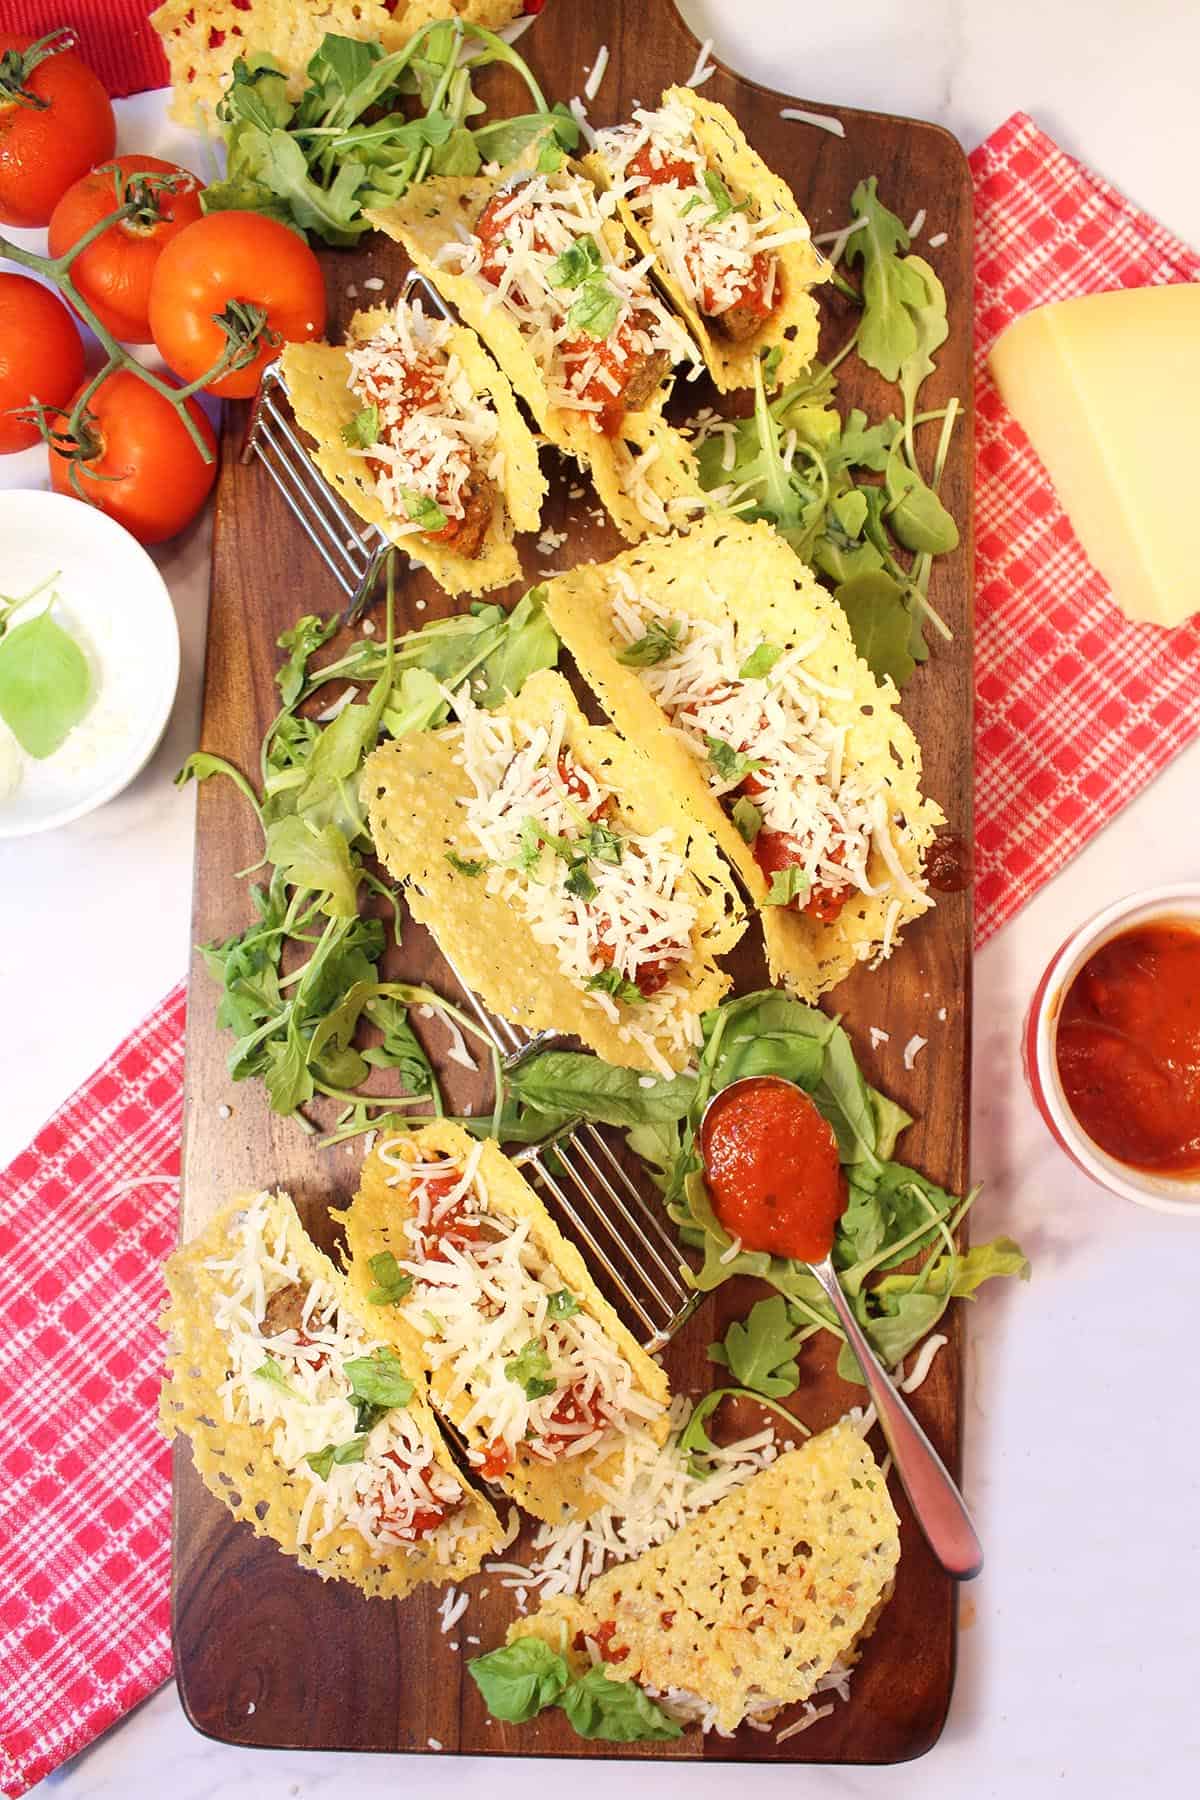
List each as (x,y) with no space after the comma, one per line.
(203,38)
(755,1600)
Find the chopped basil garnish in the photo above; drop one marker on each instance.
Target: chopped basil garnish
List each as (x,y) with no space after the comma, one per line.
(730,764)
(787,885)
(660,641)
(596,309)
(464,865)
(271,1371)
(423,511)
(748,819)
(579,882)
(362,430)
(721,197)
(611,981)
(577,262)
(562,1305)
(393,1284)
(379,1379)
(322,1461)
(530,1369)
(760,662)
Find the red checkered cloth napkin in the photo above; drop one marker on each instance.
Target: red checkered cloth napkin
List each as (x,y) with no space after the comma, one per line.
(1076,708)
(85,1223)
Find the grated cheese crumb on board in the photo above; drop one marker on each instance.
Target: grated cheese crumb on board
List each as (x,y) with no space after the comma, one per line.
(596,74)
(703,67)
(823,121)
(913,1049)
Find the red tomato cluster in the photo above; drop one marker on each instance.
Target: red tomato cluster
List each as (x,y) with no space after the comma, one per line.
(166,274)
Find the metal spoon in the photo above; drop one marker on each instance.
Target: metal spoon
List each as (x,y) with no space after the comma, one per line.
(938,1507)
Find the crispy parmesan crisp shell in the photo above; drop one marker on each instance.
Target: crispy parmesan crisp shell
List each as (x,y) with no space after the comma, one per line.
(414,791)
(755,1599)
(203,38)
(323,402)
(431,216)
(235,1460)
(728,569)
(375,1222)
(793,327)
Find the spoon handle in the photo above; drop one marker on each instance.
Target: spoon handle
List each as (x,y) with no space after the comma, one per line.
(937,1504)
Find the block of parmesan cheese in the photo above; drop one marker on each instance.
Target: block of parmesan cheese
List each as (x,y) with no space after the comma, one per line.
(1107,388)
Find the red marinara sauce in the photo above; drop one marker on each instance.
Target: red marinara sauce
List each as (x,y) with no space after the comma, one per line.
(1128,1048)
(772,1169)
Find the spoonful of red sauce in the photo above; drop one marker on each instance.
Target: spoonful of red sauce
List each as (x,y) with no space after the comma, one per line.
(772,1171)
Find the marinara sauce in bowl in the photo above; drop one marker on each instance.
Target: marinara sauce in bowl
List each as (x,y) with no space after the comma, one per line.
(1112,1048)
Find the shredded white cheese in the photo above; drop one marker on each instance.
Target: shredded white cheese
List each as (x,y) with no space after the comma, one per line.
(591,86)
(823,121)
(913,1049)
(703,66)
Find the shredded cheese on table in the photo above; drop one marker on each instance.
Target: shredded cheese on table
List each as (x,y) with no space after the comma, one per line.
(801,786)
(397,1492)
(709,252)
(541,219)
(630,914)
(536,1372)
(436,437)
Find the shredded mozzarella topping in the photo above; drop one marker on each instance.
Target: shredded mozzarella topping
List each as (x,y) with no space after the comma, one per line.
(481,1298)
(437,438)
(802,788)
(399,1489)
(710,255)
(543,217)
(641,917)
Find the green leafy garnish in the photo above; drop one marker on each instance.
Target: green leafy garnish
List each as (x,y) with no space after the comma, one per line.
(562,1305)
(307,635)
(694,1440)
(748,818)
(378,1379)
(880,624)
(271,1371)
(520,1680)
(730,764)
(786,885)
(760,1352)
(362,430)
(422,510)
(568,1083)
(530,1370)
(661,640)
(322,1461)
(596,308)
(760,662)
(616,1712)
(391,1283)
(45,681)
(611,981)
(721,198)
(579,882)
(465,865)
(577,262)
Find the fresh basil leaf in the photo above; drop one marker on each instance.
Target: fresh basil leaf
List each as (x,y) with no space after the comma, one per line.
(361,430)
(786,885)
(530,1370)
(45,684)
(520,1680)
(577,262)
(581,1086)
(760,1351)
(271,1371)
(748,819)
(730,764)
(378,1379)
(464,865)
(760,662)
(354,1450)
(562,1305)
(617,1712)
(661,640)
(611,981)
(306,635)
(879,624)
(596,309)
(392,1284)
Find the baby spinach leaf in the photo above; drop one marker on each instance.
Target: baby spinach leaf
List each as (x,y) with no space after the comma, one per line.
(573,1083)
(617,1712)
(520,1680)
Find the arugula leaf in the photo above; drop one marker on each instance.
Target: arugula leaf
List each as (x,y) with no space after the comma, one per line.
(562,1305)
(786,885)
(760,1351)
(887,334)
(577,262)
(392,1284)
(747,817)
(617,1712)
(464,865)
(321,1462)
(879,624)
(914,512)
(530,1370)
(578,1085)
(730,764)
(611,981)
(694,1439)
(416,703)
(596,309)
(361,430)
(760,662)
(661,640)
(422,510)
(201,765)
(520,1680)
(401,1049)
(45,684)
(306,635)
(286,1075)
(932,329)
(378,1379)
(525,641)
(310,857)
(579,882)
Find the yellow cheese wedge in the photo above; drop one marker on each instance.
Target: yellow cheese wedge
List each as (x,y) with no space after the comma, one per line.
(1107,388)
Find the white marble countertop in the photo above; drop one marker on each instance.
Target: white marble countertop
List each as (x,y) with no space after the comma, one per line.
(1080,1641)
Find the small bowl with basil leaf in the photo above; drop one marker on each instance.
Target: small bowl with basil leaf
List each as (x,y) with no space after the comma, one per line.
(89,660)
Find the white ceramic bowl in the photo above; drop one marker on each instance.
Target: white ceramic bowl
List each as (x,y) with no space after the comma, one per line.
(1165,1193)
(117,606)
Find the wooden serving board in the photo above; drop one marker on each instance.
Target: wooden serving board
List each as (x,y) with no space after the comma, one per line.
(266,1654)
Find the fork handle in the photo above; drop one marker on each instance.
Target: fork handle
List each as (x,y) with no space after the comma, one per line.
(938,1507)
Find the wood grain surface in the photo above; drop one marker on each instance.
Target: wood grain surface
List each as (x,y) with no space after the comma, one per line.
(266,1654)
